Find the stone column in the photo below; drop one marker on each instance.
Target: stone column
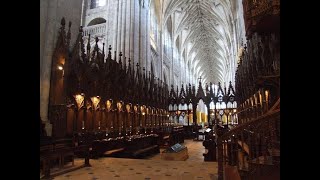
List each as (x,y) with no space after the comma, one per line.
(131,28)
(126,28)
(160,51)
(147,37)
(136,32)
(52,14)
(112,26)
(45,61)
(123,25)
(119,32)
(142,33)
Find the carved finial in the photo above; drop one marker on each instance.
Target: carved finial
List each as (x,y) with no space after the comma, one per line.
(129,66)
(120,60)
(88,44)
(207,88)
(137,70)
(88,49)
(96,50)
(69,35)
(193,89)
(109,53)
(63,22)
(125,64)
(103,50)
(177,90)
(80,35)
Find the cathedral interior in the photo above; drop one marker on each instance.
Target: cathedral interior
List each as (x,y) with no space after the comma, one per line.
(160,89)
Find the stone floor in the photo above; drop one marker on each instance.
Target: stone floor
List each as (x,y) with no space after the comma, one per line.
(152,168)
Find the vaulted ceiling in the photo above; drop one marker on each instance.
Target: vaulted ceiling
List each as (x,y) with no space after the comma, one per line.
(207,32)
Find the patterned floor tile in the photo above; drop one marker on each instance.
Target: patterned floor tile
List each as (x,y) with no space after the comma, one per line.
(153,168)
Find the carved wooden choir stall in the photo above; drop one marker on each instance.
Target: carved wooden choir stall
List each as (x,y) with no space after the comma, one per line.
(253,147)
(220,102)
(96,105)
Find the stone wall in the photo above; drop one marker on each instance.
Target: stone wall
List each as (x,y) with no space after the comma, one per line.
(51,13)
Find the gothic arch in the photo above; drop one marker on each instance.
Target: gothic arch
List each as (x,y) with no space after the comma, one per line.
(96,21)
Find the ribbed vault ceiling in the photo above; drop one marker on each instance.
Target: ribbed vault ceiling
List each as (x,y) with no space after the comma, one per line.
(208,34)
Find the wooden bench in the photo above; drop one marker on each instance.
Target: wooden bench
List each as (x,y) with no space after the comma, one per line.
(146,151)
(64,151)
(165,141)
(52,152)
(166,137)
(113,152)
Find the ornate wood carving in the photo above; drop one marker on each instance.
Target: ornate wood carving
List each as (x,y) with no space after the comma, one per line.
(95,84)
(261,16)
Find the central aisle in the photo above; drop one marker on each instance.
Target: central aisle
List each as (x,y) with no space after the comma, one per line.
(195,151)
(152,168)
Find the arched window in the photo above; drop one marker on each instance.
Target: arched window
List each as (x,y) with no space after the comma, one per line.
(97,21)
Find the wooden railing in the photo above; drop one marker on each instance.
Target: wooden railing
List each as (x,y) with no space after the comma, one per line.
(251,144)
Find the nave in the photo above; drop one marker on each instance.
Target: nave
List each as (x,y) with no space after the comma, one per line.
(114,83)
(150,168)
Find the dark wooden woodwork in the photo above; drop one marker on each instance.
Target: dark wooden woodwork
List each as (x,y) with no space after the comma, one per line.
(210,146)
(55,153)
(257,85)
(42,129)
(256,142)
(261,16)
